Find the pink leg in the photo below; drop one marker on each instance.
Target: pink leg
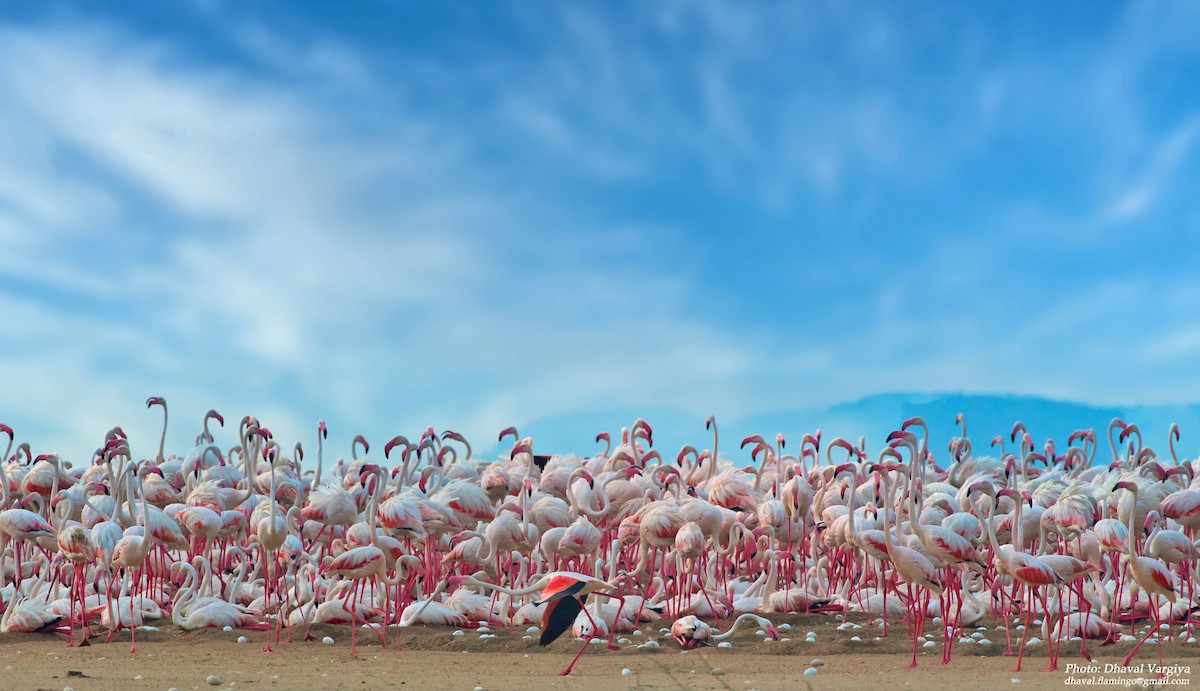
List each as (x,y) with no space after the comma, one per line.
(912,626)
(1024,632)
(132,628)
(1051,646)
(1153,630)
(267,601)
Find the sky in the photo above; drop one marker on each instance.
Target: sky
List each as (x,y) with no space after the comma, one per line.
(393,215)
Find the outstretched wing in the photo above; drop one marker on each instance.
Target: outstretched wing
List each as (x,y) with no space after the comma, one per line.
(559,615)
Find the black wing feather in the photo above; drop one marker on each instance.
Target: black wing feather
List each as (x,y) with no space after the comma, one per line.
(560,614)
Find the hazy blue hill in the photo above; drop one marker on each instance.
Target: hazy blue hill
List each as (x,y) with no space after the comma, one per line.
(874,417)
(988,416)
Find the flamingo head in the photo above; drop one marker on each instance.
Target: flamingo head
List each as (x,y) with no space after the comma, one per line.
(1151,519)
(152,470)
(525,445)
(1125,484)
(7,430)
(916,420)
(708,423)
(642,429)
(588,476)
(506,432)
(690,632)
(1009,466)
(890,452)
(982,487)
(1181,470)
(398,440)
(843,444)
(322,431)
(156,400)
(1158,470)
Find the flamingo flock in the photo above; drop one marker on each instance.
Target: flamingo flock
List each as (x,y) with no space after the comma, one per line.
(1035,538)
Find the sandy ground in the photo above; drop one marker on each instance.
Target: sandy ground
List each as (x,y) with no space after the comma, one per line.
(435,659)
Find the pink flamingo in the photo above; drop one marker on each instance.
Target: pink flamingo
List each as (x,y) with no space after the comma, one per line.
(1150,575)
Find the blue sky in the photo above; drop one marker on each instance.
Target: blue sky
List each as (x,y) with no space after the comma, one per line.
(469,215)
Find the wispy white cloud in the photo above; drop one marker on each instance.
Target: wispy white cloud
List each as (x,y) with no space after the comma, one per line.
(1159,171)
(268,280)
